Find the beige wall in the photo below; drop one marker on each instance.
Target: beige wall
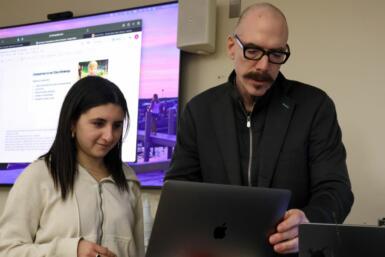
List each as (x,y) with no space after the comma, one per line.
(336,45)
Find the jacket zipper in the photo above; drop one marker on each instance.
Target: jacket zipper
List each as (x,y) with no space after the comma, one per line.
(250,149)
(248,125)
(100,237)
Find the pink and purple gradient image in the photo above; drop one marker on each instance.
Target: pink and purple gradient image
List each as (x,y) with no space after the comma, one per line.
(159,83)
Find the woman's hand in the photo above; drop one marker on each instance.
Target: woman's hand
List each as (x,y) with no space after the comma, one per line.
(90,249)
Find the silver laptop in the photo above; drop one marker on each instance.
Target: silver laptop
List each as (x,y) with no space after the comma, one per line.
(210,220)
(336,240)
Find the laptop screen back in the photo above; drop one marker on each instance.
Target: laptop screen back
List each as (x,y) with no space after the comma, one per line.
(210,220)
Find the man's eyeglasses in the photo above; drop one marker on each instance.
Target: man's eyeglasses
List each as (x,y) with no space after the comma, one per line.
(256,53)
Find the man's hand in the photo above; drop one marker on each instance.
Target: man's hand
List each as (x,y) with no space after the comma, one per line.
(285,240)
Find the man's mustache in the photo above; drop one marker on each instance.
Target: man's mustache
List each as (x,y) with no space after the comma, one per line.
(259,76)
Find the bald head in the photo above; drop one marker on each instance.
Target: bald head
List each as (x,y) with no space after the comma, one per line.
(266,15)
(262,28)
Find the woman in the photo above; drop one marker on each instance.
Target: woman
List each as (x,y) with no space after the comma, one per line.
(78,199)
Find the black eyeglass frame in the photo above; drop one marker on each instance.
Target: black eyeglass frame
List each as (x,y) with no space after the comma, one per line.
(266,52)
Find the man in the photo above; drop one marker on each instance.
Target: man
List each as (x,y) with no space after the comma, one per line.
(260,129)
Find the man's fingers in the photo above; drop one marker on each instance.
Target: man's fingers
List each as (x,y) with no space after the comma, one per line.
(289,246)
(292,219)
(283,236)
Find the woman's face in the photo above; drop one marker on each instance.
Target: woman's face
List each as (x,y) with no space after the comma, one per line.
(97,131)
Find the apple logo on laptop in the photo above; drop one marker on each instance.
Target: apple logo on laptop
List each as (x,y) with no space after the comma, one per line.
(220,231)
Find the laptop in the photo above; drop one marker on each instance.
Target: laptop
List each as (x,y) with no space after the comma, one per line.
(337,240)
(210,220)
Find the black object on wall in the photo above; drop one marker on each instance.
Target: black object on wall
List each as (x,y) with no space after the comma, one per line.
(60,16)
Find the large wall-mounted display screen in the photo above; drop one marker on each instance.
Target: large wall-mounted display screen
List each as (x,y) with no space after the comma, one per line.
(134,48)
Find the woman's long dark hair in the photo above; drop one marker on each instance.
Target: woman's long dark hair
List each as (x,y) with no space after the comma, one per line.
(61,159)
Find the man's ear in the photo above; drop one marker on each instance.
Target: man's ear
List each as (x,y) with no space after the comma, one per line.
(231,47)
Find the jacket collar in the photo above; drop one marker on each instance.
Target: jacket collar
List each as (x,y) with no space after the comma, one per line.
(128,173)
